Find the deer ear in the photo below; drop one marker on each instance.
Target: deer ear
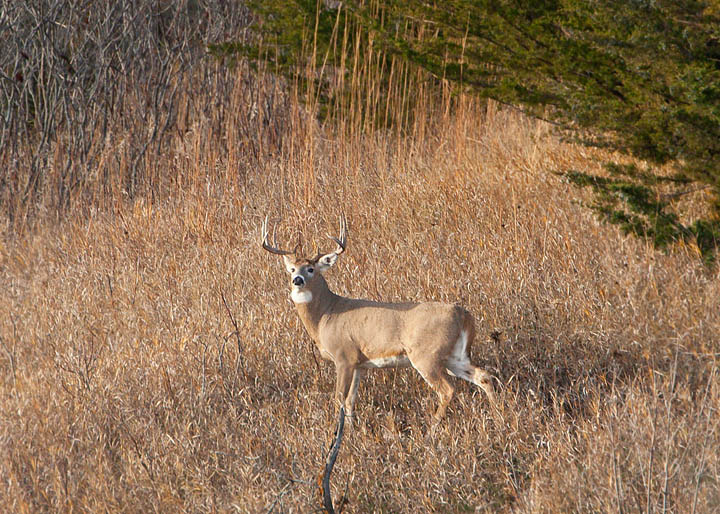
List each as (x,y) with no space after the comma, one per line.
(326,261)
(289,263)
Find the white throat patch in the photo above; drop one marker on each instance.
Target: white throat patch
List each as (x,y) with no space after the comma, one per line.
(299,296)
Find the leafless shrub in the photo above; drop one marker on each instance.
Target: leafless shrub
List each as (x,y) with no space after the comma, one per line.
(91,90)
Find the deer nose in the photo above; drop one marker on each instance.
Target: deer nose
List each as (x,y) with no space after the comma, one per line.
(298,281)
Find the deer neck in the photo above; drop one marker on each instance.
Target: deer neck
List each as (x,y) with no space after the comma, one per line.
(312,303)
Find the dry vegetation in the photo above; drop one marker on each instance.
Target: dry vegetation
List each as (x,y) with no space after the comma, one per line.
(125,386)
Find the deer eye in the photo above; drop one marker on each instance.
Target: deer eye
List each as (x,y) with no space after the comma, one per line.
(292,270)
(311,270)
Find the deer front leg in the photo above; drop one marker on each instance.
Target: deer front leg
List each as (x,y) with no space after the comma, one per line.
(352,396)
(346,385)
(343,381)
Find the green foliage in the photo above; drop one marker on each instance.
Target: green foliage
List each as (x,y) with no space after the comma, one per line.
(628,198)
(296,40)
(641,78)
(334,60)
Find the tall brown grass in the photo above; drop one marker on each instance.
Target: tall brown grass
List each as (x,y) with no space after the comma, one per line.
(126,387)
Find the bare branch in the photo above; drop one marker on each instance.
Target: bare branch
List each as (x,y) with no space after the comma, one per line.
(236,333)
(330,463)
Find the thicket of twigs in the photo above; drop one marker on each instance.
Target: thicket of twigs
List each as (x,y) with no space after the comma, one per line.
(94,93)
(151,360)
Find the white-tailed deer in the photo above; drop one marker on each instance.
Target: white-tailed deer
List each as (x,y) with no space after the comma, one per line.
(357,335)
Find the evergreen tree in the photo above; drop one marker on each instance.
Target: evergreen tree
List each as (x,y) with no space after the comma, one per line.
(638,77)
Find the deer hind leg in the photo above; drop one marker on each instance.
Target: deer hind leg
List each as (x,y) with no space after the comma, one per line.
(436,377)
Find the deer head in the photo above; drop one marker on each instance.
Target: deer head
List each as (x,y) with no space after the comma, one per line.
(305,272)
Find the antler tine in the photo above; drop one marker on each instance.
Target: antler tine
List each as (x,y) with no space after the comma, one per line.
(342,241)
(264,234)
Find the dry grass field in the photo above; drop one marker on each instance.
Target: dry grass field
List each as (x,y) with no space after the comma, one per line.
(125,386)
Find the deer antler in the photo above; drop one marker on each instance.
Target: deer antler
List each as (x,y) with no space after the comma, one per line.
(342,241)
(265,244)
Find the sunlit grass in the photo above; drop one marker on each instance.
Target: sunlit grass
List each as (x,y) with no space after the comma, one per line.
(125,387)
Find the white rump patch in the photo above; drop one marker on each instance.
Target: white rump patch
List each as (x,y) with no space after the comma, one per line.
(300,296)
(396,361)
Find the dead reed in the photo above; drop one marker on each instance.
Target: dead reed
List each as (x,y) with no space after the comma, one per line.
(152,361)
